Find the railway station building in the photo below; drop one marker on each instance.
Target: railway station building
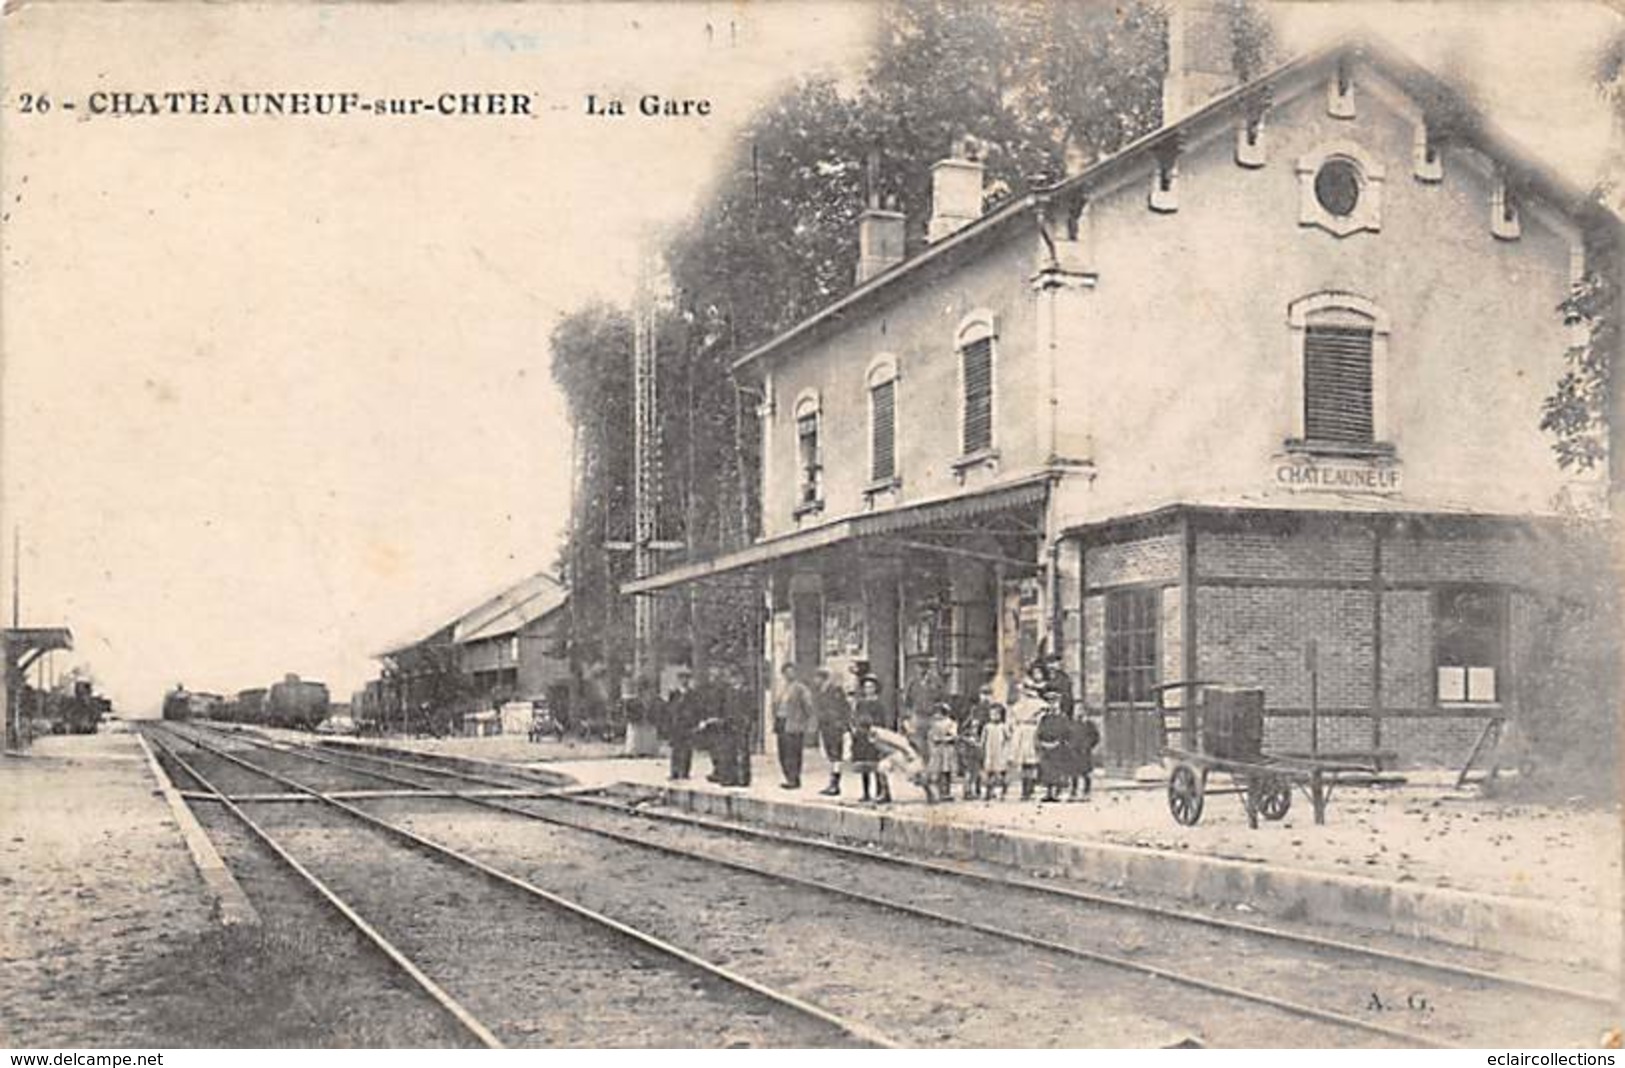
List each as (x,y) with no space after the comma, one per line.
(508,647)
(1255,400)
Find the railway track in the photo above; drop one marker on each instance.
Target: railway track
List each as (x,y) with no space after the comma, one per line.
(527,964)
(1356,989)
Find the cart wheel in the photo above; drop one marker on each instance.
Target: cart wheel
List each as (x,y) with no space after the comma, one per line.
(1276,800)
(1185,795)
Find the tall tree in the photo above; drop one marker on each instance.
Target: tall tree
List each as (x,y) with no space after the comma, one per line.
(592,359)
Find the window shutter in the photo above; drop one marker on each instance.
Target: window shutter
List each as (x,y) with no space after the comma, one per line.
(1337,384)
(978,369)
(883,406)
(811,462)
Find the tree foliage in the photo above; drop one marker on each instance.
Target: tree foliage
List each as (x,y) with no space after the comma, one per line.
(1576,410)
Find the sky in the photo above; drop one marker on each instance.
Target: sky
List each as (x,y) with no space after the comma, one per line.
(275,392)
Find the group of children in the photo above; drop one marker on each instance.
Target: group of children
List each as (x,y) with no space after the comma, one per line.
(1035,739)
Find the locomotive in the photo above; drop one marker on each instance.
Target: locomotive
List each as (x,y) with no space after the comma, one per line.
(78,711)
(177,704)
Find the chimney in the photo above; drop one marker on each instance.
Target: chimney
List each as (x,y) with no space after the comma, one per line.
(1200,57)
(956,193)
(880,239)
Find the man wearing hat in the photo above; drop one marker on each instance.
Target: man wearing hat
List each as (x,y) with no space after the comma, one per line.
(682,716)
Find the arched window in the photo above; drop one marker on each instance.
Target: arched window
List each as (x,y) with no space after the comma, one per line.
(809,452)
(882,384)
(975,343)
(1340,348)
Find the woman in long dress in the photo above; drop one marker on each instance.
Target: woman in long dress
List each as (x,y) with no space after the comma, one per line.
(1055,750)
(1024,714)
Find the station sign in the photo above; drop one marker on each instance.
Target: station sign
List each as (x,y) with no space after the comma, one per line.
(1322,474)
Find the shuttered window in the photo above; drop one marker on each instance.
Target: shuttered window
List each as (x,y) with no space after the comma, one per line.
(978,372)
(1337,384)
(812,468)
(883,423)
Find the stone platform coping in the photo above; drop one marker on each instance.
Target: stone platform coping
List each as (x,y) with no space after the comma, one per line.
(232,907)
(1528,928)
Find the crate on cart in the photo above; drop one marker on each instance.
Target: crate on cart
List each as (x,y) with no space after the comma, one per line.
(1228,732)
(1232,721)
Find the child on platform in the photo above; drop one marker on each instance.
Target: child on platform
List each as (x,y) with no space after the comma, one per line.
(864,755)
(942,757)
(970,749)
(997,753)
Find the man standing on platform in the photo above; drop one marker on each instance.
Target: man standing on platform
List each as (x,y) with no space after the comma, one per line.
(682,716)
(920,699)
(793,716)
(834,717)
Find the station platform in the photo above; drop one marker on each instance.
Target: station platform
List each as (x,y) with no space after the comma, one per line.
(98,880)
(1421,860)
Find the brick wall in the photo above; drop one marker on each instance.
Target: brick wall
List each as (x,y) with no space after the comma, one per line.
(1290,734)
(1329,554)
(1419,740)
(1255,619)
(1438,741)
(1153,559)
(1256,636)
(1407,649)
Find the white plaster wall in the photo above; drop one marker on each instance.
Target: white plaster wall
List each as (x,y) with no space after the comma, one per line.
(1185,344)
(918,328)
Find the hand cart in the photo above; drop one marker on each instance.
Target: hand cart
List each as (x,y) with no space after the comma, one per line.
(1229,731)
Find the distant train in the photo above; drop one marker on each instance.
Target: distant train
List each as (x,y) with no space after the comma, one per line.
(79,711)
(177,704)
(294,702)
(181,703)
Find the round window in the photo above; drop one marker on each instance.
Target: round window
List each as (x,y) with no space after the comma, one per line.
(1337,187)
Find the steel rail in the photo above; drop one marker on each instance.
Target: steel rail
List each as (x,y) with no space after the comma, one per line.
(862,1032)
(1311,941)
(1003,933)
(1320,942)
(360,753)
(465,1019)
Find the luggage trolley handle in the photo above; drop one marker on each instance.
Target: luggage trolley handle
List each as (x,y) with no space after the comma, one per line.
(1162,687)
(1189,707)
